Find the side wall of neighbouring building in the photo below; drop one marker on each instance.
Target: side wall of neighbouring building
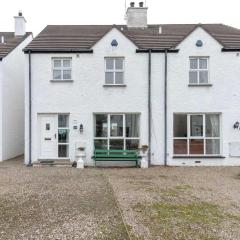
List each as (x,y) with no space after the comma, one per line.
(13,102)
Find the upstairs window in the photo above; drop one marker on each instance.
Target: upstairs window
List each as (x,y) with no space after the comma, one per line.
(114,71)
(62,69)
(198,73)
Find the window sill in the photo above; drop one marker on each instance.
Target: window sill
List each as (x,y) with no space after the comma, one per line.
(200,85)
(61,81)
(199,156)
(114,85)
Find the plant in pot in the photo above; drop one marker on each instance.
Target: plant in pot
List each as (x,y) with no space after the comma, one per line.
(144,162)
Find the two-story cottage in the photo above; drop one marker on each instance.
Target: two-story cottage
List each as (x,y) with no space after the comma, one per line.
(12,62)
(173,87)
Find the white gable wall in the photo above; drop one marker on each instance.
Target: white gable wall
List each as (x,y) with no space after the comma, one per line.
(222,97)
(1,79)
(13,102)
(86,95)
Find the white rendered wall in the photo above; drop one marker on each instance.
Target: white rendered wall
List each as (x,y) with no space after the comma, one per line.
(87,95)
(1,79)
(13,102)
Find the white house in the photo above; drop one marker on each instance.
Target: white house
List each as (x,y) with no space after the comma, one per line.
(173,87)
(12,62)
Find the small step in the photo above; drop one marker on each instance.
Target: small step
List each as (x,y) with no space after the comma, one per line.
(53,163)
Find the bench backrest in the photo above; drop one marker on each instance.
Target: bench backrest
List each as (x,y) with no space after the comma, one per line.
(99,152)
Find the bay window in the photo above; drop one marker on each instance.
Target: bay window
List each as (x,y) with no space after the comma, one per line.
(116,131)
(196,134)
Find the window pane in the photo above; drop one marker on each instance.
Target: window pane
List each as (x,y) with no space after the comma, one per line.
(193,77)
(109,63)
(101,125)
(62,151)
(66,63)
(116,122)
(180,146)
(203,77)
(109,79)
(196,125)
(100,144)
(57,75)
(116,144)
(118,78)
(193,63)
(203,63)
(196,146)
(67,74)
(180,125)
(132,125)
(212,125)
(57,63)
(212,146)
(119,63)
(132,144)
(63,136)
(62,121)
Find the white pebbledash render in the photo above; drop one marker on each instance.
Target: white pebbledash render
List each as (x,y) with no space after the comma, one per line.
(12,62)
(181,99)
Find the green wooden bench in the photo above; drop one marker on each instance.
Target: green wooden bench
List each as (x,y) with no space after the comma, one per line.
(116,155)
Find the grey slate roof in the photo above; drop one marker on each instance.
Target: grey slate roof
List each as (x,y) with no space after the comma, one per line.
(11,42)
(83,37)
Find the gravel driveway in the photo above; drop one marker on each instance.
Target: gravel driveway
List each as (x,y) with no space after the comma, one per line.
(184,203)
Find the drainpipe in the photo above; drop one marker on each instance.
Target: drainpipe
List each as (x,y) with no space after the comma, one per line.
(30,108)
(165,107)
(149,105)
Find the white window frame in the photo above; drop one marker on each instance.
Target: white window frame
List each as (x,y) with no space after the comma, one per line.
(114,70)
(63,128)
(198,70)
(109,137)
(204,138)
(61,68)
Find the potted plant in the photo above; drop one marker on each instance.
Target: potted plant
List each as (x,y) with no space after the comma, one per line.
(144,162)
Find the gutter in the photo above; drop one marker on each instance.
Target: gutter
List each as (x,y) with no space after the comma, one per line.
(62,50)
(157,50)
(149,106)
(230,49)
(30,108)
(165,107)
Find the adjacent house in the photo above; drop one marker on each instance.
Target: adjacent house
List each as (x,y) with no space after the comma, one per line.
(12,61)
(173,87)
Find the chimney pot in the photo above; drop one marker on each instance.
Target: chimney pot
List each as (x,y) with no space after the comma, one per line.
(132,4)
(20,13)
(140,4)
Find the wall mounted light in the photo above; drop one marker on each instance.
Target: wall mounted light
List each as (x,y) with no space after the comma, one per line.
(81,128)
(236,125)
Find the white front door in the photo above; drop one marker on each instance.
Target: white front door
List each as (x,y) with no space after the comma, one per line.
(48,137)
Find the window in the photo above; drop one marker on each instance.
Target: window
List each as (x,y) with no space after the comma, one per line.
(63,136)
(198,73)
(62,69)
(196,134)
(116,131)
(114,71)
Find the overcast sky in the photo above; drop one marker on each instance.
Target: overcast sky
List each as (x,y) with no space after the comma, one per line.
(40,13)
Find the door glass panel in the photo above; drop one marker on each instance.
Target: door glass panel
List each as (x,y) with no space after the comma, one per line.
(196,146)
(116,125)
(62,121)
(180,146)
(101,129)
(132,125)
(101,144)
(196,125)
(116,144)
(212,146)
(63,136)
(62,151)
(132,144)
(180,125)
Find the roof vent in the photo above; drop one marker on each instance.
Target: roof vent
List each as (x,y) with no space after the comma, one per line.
(114,43)
(2,39)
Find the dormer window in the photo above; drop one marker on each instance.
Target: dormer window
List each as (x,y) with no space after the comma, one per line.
(114,71)
(198,72)
(62,69)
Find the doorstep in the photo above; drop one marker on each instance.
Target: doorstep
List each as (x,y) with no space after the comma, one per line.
(53,163)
